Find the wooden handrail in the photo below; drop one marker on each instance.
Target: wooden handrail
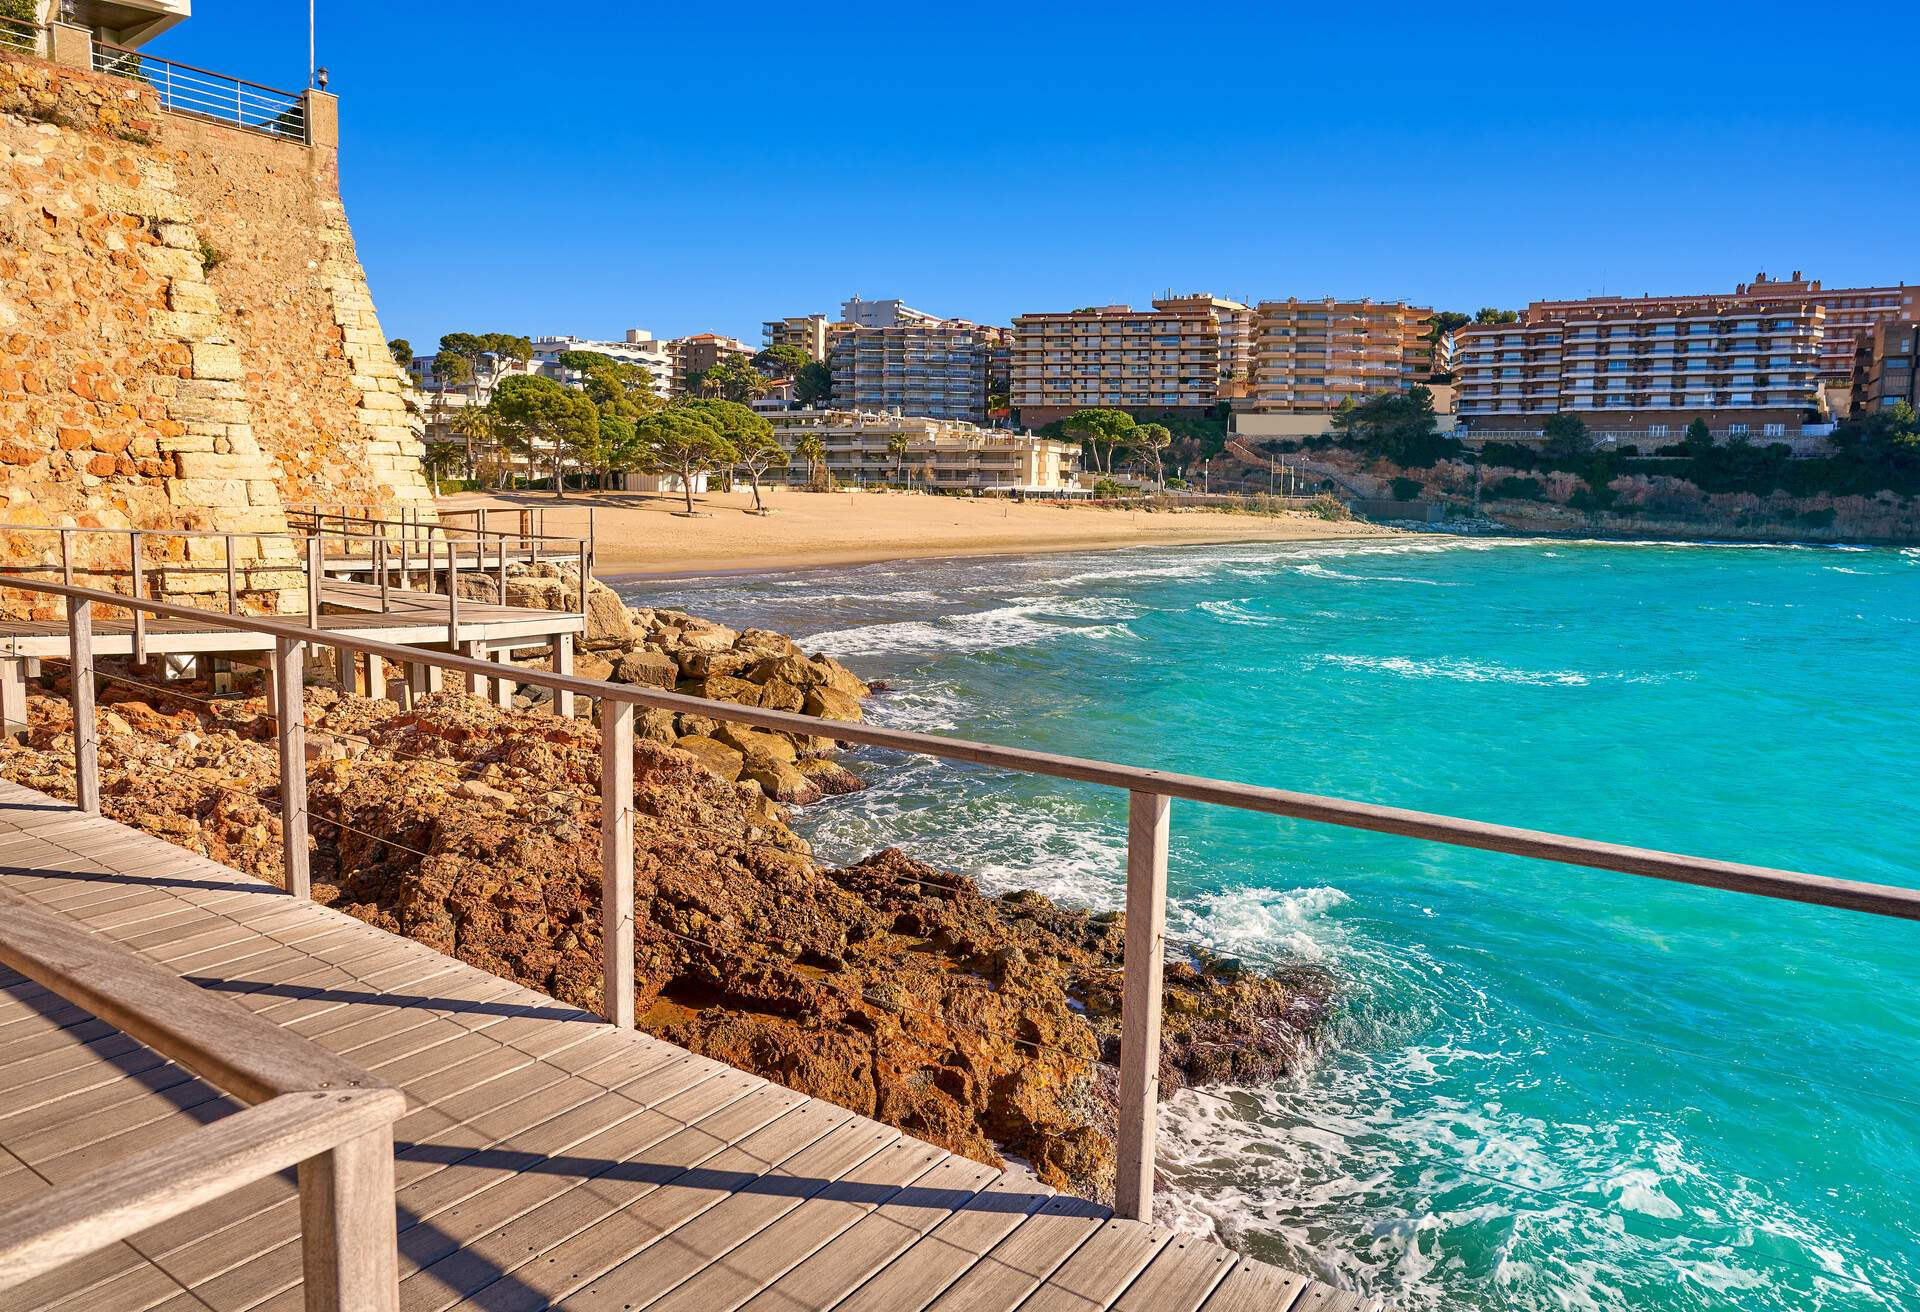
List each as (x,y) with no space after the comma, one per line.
(311,1109)
(1792,886)
(1149,791)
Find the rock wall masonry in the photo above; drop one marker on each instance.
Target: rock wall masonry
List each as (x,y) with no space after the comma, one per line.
(189,341)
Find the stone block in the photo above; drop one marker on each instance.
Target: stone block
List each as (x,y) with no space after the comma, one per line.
(171,262)
(191,297)
(217,360)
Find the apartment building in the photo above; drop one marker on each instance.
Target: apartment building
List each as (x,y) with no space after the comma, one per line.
(810,332)
(695,355)
(1311,356)
(1184,355)
(638,347)
(942,454)
(1851,313)
(1884,367)
(938,369)
(1634,370)
(883,314)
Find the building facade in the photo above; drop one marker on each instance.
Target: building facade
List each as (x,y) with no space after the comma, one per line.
(883,314)
(938,370)
(638,348)
(1884,367)
(1183,356)
(1313,356)
(809,332)
(942,454)
(1851,313)
(1635,370)
(693,356)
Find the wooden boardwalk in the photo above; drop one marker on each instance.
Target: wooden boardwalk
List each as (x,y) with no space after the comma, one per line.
(412,618)
(547,1159)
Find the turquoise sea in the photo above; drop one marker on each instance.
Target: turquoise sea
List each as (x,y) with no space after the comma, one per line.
(1547,1088)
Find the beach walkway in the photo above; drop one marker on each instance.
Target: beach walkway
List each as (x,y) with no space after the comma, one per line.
(546,1159)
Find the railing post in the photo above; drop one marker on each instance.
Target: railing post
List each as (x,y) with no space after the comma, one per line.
(380,563)
(348,1249)
(66,556)
(316,569)
(583,580)
(503,687)
(563,664)
(86,741)
(1147,824)
(233,580)
(616,859)
(501,568)
(453,593)
(289,679)
(138,585)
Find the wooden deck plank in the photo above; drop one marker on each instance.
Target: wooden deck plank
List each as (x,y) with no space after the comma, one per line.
(693,1244)
(1179,1278)
(1100,1269)
(918,1275)
(1252,1287)
(753,1264)
(1018,1264)
(546,1160)
(823,1277)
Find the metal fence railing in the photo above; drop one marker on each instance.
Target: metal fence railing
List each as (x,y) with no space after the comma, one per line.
(185,89)
(17,34)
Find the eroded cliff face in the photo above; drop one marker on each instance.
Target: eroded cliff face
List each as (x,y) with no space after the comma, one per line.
(988,1025)
(188,337)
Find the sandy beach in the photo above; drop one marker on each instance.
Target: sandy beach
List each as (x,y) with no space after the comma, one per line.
(640,534)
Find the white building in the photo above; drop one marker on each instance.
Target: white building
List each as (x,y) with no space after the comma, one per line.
(883,314)
(639,348)
(945,455)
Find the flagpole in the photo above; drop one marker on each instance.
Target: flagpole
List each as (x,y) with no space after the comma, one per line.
(310,54)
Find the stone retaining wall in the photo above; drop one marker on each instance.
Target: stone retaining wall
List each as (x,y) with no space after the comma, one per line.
(189,341)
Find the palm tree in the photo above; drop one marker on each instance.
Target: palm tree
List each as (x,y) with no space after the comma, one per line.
(476,426)
(812,450)
(897,445)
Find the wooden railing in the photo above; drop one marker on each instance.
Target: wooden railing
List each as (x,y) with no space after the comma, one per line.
(308,1109)
(1149,793)
(391,552)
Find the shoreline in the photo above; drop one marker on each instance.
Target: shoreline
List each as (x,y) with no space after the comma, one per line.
(637,536)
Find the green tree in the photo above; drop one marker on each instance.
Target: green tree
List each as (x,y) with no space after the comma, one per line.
(812,450)
(1488,314)
(537,418)
(402,352)
(1396,426)
(783,361)
(680,440)
(1152,440)
(1699,438)
(1567,436)
(439,460)
(897,446)
(733,379)
(1098,428)
(756,452)
(1445,321)
(813,384)
(475,429)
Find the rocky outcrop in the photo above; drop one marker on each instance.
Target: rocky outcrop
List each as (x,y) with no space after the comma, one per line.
(985,1024)
(677,652)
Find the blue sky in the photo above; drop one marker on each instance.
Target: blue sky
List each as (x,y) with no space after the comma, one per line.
(690,168)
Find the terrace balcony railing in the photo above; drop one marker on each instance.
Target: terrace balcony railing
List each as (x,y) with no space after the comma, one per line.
(203,93)
(1150,793)
(22,37)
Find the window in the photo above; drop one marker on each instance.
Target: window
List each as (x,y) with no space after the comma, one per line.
(1737,430)
(1774,430)
(1656,430)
